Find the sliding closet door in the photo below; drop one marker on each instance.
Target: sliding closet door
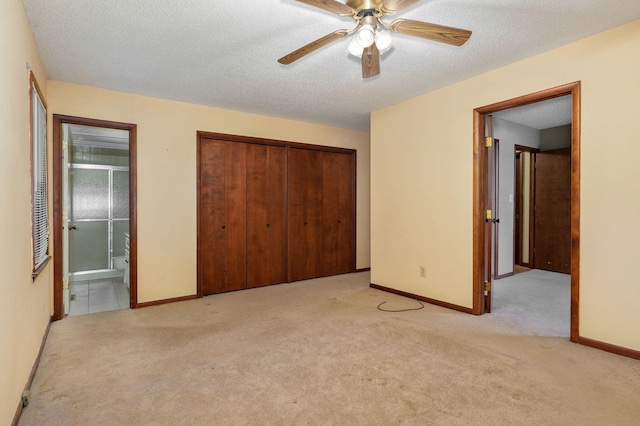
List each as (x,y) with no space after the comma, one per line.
(222,240)
(271,212)
(338,252)
(266,210)
(321,213)
(305,214)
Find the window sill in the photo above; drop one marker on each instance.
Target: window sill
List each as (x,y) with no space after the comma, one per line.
(40,268)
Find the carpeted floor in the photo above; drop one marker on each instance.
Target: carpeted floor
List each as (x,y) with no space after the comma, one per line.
(319,352)
(536,301)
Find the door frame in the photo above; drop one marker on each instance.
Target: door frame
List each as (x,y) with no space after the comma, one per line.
(480,189)
(519,199)
(58,122)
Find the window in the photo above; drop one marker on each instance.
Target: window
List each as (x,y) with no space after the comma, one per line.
(39,203)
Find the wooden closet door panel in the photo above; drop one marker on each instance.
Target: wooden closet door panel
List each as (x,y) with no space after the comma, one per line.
(338,194)
(266,209)
(222,216)
(347,218)
(305,214)
(211,216)
(235,216)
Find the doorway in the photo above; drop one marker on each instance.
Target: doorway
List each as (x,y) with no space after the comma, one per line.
(482,230)
(95,227)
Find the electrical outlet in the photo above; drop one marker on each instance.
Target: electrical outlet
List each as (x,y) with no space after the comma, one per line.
(423,271)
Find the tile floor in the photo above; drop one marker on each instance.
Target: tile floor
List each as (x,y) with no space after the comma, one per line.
(88,297)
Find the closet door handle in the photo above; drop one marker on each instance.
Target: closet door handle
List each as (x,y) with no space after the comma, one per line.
(224,226)
(268,225)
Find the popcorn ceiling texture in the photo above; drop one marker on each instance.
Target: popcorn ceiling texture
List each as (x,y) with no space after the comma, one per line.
(224,54)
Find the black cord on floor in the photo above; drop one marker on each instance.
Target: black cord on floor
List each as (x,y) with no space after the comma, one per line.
(401,310)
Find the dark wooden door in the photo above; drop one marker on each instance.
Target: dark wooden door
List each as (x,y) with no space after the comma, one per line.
(338,254)
(222,216)
(553,210)
(266,210)
(305,169)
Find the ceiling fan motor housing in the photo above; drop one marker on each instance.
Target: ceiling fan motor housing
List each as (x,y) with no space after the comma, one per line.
(359,5)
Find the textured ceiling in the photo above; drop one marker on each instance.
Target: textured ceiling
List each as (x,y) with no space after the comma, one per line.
(224,53)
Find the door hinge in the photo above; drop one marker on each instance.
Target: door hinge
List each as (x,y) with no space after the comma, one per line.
(65,285)
(65,144)
(65,216)
(487,286)
(489,142)
(488,215)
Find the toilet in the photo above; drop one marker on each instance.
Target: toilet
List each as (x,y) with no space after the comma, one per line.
(120,263)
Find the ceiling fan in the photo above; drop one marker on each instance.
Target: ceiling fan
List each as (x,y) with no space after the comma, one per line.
(371,40)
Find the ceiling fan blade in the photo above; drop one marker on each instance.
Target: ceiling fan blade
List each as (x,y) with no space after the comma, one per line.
(390,7)
(331,6)
(370,61)
(435,32)
(305,50)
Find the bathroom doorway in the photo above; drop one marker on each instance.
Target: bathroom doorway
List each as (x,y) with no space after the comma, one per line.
(94,216)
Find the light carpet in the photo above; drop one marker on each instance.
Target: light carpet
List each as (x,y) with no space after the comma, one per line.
(536,302)
(319,352)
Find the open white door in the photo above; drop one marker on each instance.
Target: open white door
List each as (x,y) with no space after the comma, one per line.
(65,218)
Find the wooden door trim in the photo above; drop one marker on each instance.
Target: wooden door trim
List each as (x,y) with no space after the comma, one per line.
(58,121)
(479,189)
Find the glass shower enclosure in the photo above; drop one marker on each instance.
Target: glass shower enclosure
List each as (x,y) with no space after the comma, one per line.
(98,220)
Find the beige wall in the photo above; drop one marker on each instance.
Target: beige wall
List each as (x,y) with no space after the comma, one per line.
(24,304)
(167,173)
(422,160)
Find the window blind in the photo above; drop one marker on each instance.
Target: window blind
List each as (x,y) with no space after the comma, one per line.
(39,158)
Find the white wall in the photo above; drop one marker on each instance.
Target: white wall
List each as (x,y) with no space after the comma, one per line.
(509,134)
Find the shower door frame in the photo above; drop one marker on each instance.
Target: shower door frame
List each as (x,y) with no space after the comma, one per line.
(77,275)
(57,166)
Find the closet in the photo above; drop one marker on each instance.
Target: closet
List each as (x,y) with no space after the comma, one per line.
(320,214)
(271,212)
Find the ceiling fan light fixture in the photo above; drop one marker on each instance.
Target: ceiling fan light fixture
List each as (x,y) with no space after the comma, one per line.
(365,36)
(383,41)
(355,49)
